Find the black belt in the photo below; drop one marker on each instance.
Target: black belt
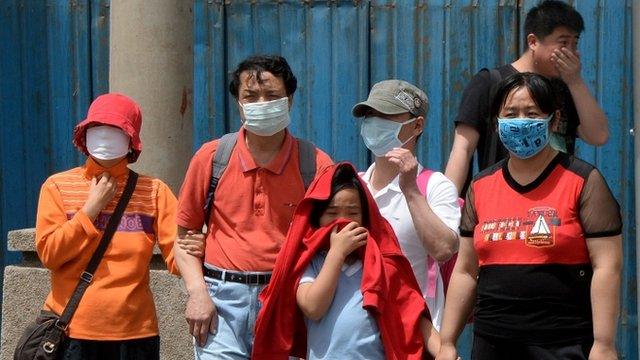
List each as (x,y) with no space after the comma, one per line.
(249,279)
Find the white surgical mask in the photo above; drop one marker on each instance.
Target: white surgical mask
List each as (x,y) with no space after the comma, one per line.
(266,118)
(107,142)
(381,135)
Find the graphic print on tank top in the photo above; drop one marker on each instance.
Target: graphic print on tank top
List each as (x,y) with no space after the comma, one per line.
(538,229)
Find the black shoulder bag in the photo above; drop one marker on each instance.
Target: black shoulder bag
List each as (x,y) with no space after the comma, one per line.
(43,339)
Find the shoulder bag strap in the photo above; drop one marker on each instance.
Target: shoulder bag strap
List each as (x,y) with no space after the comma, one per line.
(87,275)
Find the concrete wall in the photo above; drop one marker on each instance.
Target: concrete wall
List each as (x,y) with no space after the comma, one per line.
(27,285)
(151,60)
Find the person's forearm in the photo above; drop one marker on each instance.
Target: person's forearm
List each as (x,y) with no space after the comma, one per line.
(164,226)
(430,336)
(594,127)
(438,239)
(57,244)
(318,297)
(465,142)
(458,166)
(190,267)
(605,292)
(459,303)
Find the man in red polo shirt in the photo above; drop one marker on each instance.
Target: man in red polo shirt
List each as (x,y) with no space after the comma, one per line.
(250,213)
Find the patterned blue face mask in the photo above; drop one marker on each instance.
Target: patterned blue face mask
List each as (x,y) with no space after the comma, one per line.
(524,137)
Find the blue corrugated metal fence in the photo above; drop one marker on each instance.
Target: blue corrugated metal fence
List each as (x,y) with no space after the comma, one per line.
(53,62)
(339,48)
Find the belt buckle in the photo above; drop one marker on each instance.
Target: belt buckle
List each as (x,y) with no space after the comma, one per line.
(261,279)
(253,279)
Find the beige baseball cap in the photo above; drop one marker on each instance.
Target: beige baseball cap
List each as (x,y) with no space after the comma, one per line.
(393,97)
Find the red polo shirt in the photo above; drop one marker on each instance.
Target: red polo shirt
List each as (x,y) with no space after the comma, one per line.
(253,205)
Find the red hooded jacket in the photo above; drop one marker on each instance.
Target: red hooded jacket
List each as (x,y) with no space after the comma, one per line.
(389,288)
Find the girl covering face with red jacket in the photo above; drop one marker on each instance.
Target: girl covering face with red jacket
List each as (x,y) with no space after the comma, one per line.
(341,287)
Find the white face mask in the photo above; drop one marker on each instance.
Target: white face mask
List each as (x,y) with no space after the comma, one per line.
(381,135)
(107,142)
(266,118)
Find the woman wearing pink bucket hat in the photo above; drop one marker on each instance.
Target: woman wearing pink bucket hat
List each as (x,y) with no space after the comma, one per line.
(116,317)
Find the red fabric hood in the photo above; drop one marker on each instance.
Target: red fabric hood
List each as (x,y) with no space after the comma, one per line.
(389,288)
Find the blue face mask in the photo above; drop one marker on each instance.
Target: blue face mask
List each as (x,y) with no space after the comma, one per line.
(381,135)
(524,137)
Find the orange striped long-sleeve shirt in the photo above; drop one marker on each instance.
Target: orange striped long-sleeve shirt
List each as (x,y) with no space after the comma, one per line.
(118,304)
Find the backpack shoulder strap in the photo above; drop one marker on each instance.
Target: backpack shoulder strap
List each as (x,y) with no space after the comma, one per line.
(495,76)
(223,153)
(219,163)
(423,180)
(446,268)
(492,149)
(307,161)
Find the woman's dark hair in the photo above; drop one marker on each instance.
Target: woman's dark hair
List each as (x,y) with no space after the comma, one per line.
(543,19)
(277,65)
(344,178)
(541,90)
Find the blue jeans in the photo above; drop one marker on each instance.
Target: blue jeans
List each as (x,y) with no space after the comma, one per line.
(238,307)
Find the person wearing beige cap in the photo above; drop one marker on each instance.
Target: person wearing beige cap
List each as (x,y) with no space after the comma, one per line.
(425,218)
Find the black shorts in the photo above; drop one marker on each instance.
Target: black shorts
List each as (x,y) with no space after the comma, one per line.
(135,349)
(493,349)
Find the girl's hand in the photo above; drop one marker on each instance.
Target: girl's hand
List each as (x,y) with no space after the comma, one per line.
(345,241)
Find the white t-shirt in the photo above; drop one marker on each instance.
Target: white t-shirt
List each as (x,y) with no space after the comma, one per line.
(442,197)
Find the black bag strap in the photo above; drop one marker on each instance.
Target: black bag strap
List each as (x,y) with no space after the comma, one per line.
(87,275)
(492,149)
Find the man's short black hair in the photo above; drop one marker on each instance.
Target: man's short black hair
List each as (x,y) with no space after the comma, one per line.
(543,19)
(277,65)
